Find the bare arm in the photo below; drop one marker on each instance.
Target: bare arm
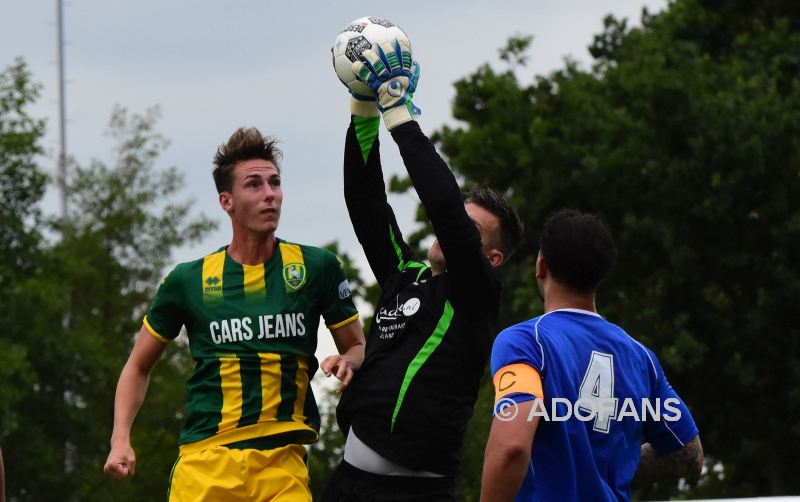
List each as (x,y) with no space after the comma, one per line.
(508,453)
(686,462)
(349,341)
(131,389)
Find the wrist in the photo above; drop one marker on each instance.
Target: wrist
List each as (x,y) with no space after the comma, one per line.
(363,108)
(120,440)
(393,117)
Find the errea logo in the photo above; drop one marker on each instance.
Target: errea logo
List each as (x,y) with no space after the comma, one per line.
(212,284)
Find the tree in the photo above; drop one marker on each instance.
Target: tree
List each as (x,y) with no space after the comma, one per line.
(95,282)
(683,135)
(22,185)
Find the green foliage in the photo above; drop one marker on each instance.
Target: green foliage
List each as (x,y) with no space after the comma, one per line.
(325,454)
(77,310)
(514,51)
(22,184)
(683,135)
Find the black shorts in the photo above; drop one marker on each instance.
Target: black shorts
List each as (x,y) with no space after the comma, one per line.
(349,484)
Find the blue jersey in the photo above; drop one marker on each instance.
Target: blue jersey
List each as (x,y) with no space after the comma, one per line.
(614,389)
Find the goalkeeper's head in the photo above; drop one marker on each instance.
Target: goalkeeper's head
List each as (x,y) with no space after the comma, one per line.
(498,223)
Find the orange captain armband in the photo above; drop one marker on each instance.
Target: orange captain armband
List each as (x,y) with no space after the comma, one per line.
(517,379)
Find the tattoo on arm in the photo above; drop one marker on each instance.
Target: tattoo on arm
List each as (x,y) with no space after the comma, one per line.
(684,463)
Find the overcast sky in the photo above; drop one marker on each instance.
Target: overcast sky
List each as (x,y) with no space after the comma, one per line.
(213,66)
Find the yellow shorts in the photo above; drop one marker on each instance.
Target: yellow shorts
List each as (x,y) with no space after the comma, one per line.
(221,474)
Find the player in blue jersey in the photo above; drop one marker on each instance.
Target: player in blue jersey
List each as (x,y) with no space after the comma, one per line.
(581,407)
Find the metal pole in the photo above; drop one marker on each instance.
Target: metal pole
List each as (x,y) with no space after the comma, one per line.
(62,132)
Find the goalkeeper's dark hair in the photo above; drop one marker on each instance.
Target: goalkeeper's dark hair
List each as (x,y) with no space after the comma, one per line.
(246,143)
(511,227)
(578,249)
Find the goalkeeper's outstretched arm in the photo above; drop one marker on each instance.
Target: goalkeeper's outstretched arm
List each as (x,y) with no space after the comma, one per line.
(365,195)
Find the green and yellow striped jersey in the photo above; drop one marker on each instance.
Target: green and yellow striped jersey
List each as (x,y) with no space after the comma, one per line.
(252,333)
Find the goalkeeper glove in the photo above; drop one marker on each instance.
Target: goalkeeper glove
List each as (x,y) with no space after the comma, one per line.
(392,76)
(363,106)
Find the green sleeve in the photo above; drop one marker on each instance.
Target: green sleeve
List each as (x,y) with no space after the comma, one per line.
(339,309)
(167,314)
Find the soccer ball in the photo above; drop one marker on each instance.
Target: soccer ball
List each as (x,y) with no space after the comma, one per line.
(355,38)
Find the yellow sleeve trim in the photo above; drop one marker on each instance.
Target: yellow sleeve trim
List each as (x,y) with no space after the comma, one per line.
(517,379)
(346,321)
(153,332)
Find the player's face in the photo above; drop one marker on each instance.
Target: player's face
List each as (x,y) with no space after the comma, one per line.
(488,226)
(254,202)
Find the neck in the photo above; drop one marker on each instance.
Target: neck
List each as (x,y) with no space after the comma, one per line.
(248,248)
(558,297)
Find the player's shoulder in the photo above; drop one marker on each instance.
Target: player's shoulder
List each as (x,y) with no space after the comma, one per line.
(518,335)
(187,267)
(626,343)
(518,343)
(311,255)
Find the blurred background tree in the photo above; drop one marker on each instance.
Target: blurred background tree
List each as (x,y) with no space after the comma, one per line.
(74,302)
(683,135)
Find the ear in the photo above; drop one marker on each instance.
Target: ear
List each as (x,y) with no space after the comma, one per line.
(495,257)
(226,202)
(541,267)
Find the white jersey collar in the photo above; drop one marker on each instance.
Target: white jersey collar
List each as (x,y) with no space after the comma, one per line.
(577,311)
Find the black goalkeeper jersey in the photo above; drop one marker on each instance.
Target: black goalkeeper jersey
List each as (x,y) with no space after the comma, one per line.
(431,336)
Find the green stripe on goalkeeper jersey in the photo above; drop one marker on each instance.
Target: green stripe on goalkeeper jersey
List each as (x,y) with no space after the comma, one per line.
(366,132)
(402,264)
(422,356)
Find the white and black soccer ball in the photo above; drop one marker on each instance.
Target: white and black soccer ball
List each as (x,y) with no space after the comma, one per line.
(359,35)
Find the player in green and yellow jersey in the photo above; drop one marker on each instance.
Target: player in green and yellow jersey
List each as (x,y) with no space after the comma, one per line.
(251,311)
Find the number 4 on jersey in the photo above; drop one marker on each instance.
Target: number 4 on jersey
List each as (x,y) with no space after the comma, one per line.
(596,395)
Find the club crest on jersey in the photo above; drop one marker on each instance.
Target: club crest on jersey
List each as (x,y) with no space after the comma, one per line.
(294,275)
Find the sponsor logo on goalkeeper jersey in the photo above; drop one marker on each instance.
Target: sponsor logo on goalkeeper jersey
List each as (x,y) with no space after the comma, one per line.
(390,320)
(406,309)
(262,327)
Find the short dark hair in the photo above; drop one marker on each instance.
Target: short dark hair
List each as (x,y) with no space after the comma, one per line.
(511,227)
(578,249)
(246,143)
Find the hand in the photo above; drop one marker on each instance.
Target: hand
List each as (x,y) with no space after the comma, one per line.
(121,461)
(341,366)
(392,76)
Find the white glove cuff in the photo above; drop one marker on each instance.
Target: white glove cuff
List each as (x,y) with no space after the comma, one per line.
(393,117)
(361,108)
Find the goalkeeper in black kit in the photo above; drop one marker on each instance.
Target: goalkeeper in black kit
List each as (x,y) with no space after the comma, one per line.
(405,413)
